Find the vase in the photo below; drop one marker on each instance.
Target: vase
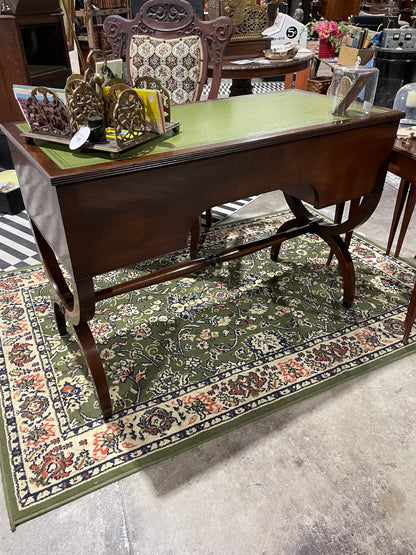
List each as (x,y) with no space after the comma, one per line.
(326,49)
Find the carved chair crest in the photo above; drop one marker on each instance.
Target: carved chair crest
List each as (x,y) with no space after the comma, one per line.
(169,20)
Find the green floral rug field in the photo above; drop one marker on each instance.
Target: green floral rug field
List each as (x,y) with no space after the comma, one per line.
(186,360)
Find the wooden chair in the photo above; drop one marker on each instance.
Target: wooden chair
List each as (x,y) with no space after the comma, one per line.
(406,198)
(168,41)
(403,164)
(406,189)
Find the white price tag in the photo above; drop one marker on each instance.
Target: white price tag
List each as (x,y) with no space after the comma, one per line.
(80,137)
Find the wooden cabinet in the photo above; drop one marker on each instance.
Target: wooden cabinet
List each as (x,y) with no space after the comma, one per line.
(33,50)
(339,9)
(92,20)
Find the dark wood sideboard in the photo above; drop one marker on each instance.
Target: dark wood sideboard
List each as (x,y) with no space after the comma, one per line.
(339,9)
(33,50)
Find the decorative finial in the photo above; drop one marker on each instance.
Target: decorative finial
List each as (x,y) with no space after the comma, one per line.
(5,8)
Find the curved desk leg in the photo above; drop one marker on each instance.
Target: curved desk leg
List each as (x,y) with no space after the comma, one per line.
(360,211)
(302,217)
(92,356)
(78,308)
(287,226)
(340,249)
(339,212)
(330,236)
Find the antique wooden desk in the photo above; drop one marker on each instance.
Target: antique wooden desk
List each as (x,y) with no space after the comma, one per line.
(97,215)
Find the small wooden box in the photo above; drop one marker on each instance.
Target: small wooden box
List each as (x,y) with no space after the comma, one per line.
(240,48)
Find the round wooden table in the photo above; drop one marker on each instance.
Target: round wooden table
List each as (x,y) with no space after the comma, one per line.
(242,74)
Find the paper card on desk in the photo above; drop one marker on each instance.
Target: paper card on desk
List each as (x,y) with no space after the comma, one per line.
(252,61)
(241,62)
(22,93)
(263,61)
(153,104)
(116,66)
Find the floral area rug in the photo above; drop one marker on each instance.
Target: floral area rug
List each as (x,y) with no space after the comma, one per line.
(186,360)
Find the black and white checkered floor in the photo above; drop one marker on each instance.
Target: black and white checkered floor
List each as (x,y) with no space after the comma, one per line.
(17,245)
(258,88)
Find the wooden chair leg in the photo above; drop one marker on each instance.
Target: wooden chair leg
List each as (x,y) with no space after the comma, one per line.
(410,316)
(301,79)
(208,217)
(289,77)
(408,211)
(195,235)
(398,208)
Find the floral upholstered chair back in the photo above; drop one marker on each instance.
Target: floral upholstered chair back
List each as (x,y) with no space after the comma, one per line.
(176,63)
(168,41)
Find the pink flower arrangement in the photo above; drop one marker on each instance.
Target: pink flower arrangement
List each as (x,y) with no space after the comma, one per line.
(327,29)
(330,31)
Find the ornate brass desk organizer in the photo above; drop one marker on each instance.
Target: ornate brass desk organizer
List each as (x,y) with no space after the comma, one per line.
(122,109)
(249,19)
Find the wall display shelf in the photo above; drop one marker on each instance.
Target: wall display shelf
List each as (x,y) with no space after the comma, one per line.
(33,48)
(91,17)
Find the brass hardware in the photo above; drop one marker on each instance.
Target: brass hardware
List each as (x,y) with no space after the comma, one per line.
(48,115)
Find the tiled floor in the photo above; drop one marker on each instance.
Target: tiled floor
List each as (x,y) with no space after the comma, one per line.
(335,474)
(17,245)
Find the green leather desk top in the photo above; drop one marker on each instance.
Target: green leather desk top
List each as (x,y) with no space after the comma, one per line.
(216,122)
